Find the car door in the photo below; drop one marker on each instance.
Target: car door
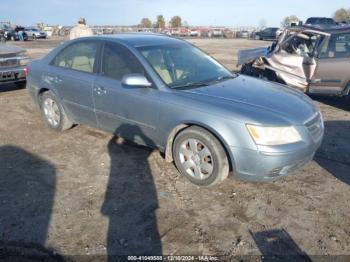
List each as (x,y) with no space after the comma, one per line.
(333,65)
(131,112)
(72,76)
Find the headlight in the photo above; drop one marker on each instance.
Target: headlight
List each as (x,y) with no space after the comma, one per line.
(270,136)
(24,61)
(23,58)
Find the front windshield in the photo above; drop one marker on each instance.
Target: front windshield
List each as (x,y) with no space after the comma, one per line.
(183,65)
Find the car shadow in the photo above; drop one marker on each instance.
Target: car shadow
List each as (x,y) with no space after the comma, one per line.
(334,153)
(27,191)
(278,245)
(335,101)
(12,87)
(131,198)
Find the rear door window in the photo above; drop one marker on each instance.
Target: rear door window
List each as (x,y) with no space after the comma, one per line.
(336,46)
(80,56)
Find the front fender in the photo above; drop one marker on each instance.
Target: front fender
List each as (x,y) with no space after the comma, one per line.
(228,132)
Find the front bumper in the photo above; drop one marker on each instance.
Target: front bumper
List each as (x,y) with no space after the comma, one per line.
(12,75)
(42,36)
(257,165)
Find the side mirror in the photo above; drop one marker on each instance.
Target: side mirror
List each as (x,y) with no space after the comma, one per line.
(137,80)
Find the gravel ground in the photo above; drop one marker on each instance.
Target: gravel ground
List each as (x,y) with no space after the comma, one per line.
(81,192)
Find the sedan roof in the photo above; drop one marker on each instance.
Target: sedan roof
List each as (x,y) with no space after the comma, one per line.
(145,39)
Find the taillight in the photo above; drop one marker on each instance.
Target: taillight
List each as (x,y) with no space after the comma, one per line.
(26,71)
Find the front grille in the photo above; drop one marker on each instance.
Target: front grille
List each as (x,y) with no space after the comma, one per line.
(315,126)
(9,62)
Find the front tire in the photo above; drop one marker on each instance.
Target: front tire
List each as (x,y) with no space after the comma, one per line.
(54,113)
(200,157)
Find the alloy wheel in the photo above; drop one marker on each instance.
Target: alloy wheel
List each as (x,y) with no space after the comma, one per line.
(196,159)
(52,112)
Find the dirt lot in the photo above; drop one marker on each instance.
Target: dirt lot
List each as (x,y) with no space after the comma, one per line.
(82,193)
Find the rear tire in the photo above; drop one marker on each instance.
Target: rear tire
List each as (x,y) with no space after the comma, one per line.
(54,113)
(200,157)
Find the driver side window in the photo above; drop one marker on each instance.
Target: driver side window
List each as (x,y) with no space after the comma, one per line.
(118,61)
(300,45)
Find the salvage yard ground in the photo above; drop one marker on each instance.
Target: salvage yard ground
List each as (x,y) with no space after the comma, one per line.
(81,192)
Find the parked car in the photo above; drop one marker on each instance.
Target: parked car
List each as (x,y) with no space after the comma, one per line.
(3,28)
(269,33)
(13,60)
(307,58)
(184,32)
(164,93)
(195,32)
(217,32)
(2,36)
(12,34)
(320,21)
(35,33)
(242,34)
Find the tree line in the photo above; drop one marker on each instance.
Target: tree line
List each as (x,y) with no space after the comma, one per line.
(340,15)
(175,22)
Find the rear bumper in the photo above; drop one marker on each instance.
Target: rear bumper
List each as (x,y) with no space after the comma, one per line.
(12,75)
(255,165)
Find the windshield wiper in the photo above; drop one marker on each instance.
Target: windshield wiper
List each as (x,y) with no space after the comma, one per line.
(221,78)
(190,84)
(206,82)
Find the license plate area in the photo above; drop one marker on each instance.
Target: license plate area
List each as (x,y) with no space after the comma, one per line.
(7,76)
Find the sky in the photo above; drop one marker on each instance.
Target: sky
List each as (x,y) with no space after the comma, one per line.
(195,12)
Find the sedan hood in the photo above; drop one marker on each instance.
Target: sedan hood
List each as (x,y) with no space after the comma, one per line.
(10,49)
(258,96)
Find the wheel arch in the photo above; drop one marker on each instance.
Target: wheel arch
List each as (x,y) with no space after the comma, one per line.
(178,128)
(44,89)
(41,91)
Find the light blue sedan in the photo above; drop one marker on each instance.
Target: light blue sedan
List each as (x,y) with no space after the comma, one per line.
(164,93)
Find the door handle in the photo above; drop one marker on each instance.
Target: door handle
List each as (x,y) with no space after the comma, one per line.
(100,90)
(57,79)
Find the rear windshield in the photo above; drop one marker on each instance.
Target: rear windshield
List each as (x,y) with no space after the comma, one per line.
(323,21)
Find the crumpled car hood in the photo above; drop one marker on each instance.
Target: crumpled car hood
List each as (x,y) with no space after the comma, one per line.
(259,96)
(249,55)
(10,49)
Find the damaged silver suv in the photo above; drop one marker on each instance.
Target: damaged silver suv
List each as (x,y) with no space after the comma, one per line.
(312,59)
